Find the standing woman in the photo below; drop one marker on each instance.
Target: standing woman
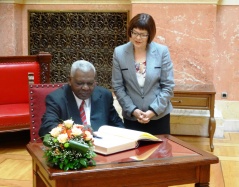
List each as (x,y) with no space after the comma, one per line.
(142,78)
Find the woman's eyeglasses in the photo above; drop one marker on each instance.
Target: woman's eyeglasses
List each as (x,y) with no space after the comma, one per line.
(136,34)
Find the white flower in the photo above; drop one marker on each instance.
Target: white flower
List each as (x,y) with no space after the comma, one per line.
(76,131)
(62,138)
(88,135)
(68,123)
(56,131)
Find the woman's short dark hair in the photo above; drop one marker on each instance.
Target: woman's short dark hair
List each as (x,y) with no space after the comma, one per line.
(143,21)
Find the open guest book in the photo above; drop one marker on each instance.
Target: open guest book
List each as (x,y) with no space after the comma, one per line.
(109,139)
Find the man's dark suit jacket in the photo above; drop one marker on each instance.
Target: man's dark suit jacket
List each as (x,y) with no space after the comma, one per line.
(61,105)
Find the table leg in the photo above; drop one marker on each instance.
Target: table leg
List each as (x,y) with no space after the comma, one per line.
(212,127)
(37,180)
(202,185)
(204,176)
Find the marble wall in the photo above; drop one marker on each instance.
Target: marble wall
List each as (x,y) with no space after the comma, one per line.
(11,29)
(188,30)
(203,38)
(226,52)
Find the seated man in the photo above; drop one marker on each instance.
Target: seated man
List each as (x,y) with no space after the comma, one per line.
(65,102)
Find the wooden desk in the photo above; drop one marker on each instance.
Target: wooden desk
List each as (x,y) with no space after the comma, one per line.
(198,97)
(174,162)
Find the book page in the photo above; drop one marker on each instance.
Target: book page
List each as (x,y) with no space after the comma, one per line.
(126,133)
(111,144)
(146,136)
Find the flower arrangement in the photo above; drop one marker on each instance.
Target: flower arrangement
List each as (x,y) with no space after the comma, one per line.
(69,146)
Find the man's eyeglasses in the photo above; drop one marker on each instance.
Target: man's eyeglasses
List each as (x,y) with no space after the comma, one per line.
(136,34)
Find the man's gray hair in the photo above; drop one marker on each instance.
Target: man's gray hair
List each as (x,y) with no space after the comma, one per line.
(81,65)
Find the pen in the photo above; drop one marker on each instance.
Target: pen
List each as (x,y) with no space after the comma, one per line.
(95,135)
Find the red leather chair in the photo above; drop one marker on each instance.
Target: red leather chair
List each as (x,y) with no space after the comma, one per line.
(37,95)
(14,80)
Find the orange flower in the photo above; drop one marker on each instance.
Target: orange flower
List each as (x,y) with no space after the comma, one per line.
(69,131)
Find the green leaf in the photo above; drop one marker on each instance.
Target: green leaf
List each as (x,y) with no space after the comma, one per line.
(83,162)
(46,140)
(65,161)
(66,168)
(61,165)
(83,148)
(71,165)
(93,162)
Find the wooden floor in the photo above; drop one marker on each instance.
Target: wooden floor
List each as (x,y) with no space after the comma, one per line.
(16,168)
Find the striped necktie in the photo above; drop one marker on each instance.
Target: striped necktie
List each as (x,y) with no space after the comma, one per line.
(82,113)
